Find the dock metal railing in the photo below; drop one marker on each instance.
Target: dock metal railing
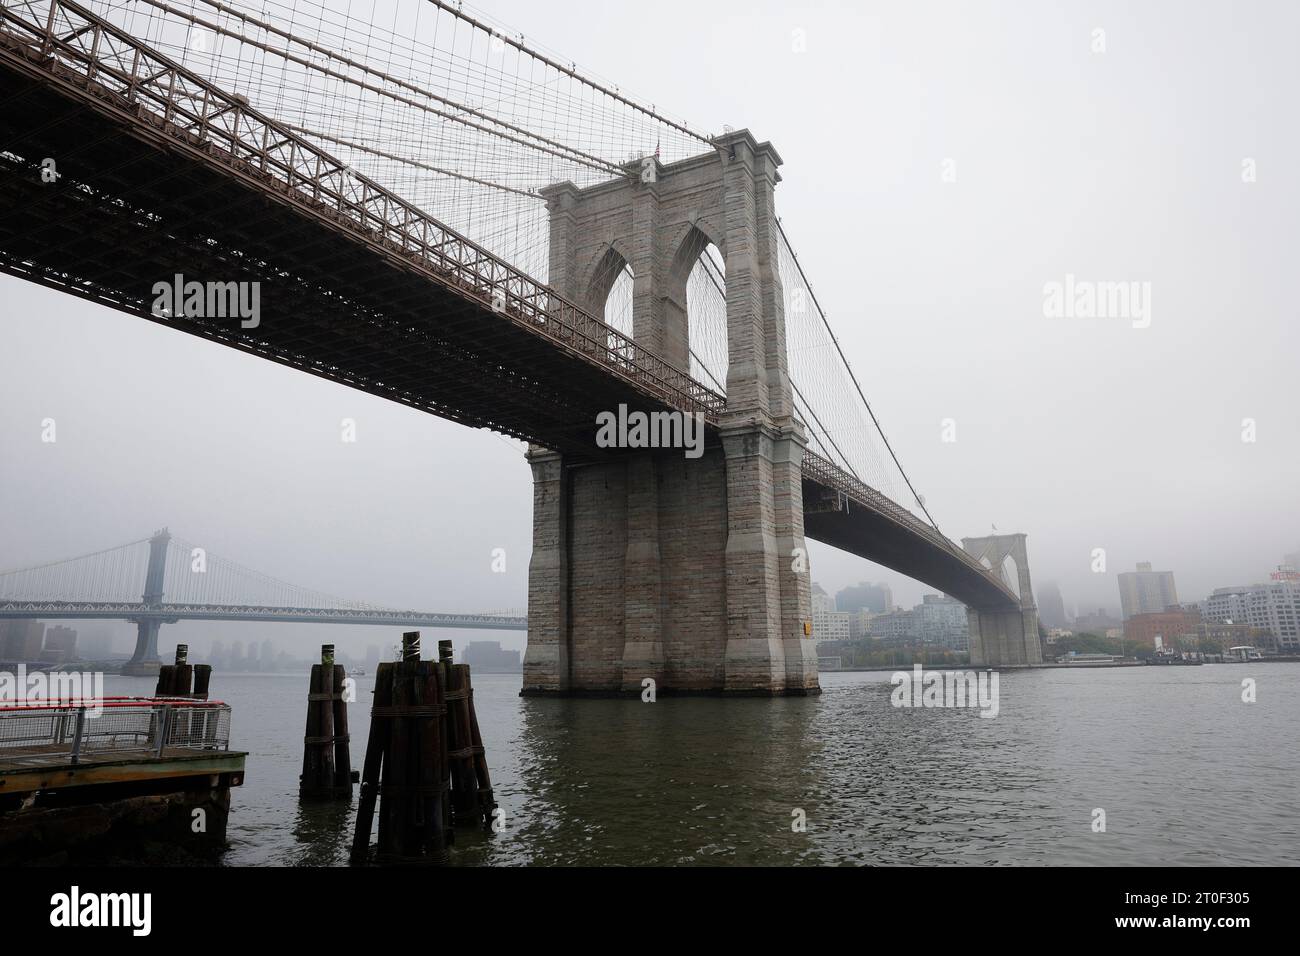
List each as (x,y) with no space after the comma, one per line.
(78,729)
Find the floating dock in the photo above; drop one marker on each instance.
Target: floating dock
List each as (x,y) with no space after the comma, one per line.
(122,779)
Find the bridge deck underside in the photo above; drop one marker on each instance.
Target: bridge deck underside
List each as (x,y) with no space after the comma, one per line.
(868,533)
(134,207)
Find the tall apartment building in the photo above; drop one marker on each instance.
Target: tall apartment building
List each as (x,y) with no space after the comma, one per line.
(1051,605)
(1145,591)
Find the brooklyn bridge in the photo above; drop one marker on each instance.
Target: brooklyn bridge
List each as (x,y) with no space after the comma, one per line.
(446,217)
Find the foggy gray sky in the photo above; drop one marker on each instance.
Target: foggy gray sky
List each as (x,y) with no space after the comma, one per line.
(1084,433)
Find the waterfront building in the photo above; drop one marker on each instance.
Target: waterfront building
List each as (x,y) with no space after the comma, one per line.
(1170,625)
(1269,613)
(1225,605)
(829,623)
(489,657)
(1145,591)
(1275,607)
(896,629)
(942,620)
(60,644)
(1098,623)
(21,640)
(860,623)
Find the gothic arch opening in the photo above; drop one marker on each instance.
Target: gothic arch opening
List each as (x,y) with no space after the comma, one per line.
(609,291)
(698,288)
(1010,572)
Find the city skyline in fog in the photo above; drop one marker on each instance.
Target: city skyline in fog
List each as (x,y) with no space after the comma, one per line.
(944,166)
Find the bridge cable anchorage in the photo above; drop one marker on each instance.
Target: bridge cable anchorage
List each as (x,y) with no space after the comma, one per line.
(843,358)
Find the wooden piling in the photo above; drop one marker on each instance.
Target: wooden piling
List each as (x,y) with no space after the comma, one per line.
(320,778)
(166,675)
(182,673)
(409,757)
(451,737)
(460,765)
(375,747)
(487,804)
(343,775)
(202,680)
(207,726)
(181,679)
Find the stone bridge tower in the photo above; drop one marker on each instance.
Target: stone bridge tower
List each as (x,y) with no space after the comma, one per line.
(1004,637)
(692,572)
(145,659)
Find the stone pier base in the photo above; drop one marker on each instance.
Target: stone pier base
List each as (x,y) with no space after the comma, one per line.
(658,567)
(1004,638)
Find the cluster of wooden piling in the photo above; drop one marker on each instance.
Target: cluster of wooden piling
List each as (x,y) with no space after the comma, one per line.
(183,679)
(424,758)
(326,760)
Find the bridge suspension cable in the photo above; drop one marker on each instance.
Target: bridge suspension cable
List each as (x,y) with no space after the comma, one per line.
(194,576)
(796,273)
(110,574)
(467,120)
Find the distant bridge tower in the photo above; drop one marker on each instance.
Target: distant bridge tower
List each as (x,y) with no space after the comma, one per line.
(1004,637)
(145,659)
(690,572)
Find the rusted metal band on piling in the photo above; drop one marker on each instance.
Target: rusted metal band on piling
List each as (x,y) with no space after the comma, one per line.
(409,710)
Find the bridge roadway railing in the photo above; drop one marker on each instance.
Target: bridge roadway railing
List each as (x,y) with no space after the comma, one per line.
(832,476)
(127,610)
(76,47)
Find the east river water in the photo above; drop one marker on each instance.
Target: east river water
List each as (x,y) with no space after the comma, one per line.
(1185,771)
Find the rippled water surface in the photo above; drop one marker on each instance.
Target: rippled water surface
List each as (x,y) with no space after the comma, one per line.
(1186,772)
